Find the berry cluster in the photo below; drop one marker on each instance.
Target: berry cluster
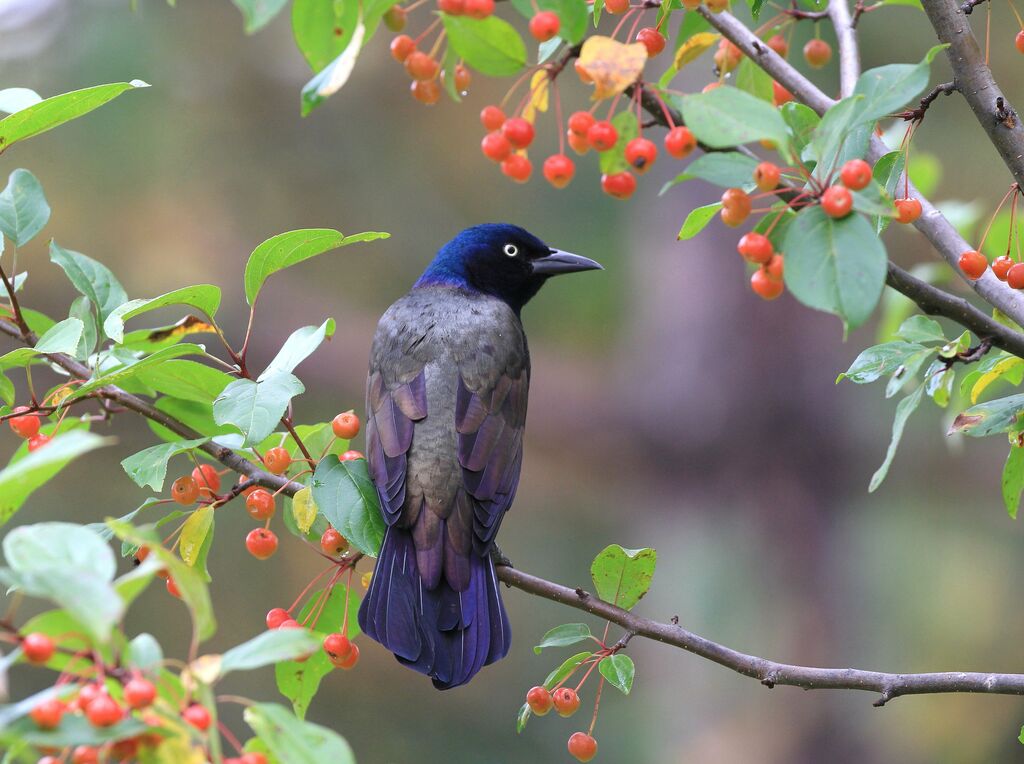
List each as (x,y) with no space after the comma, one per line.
(26,426)
(974,264)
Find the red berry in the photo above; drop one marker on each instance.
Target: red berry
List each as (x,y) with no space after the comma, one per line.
(907,210)
(855,174)
(277,460)
(602,135)
(85,754)
(1015,276)
(580,122)
(37,647)
(1019,41)
(817,52)
(452,7)
(652,39)
(260,504)
(1001,266)
(517,167)
(337,646)
(207,479)
(349,456)
(558,170)
(616,7)
(736,206)
(349,660)
(402,47)
(837,201)
(778,43)
(755,248)
(544,25)
(290,623)
(775,266)
(345,426)
(780,95)
(421,66)
(640,154)
(38,441)
(197,716)
(710,86)
(462,78)
(539,700)
(492,118)
(764,285)
(518,131)
(139,693)
(582,746)
(973,264)
(496,146)
(276,617)
(766,176)
(104,712)
(253,758)
(24,426)
(185,490)
(261,543)
(619,185)
(47,715)
(728,56)
(717,6)
(172,587)
(577,143)
(333,543)
(680,142)
(426,91)
(395,18)
(565,700)
(124,750)
(479,9)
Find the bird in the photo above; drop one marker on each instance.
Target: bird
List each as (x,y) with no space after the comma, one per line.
(446,396)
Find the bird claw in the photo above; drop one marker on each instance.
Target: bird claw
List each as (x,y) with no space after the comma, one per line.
(499,559)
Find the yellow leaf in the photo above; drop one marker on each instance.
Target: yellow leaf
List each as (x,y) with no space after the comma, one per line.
(304,509)
(612,65)
(539,84)
(187,325)
(178,750)
(206,668)
(194,533)
(1003,367)
(692,48)
(365,580)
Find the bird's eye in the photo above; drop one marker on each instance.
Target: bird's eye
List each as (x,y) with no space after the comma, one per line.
(511,250)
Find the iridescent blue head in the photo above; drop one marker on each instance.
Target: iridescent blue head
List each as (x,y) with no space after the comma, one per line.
(502,260)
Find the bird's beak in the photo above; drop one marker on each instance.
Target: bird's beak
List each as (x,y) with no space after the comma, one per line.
(563,262)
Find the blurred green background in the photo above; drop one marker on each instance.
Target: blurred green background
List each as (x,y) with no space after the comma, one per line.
(670,407)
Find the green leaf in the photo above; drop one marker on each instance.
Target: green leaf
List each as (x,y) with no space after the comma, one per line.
(255,408)
(833,132)
(345,495)
(258,13)
(886,89)
(566,634)
(23,208)
(802,121)
(939,381)
(74,730)
(57,110)
(571,13)
(492,46)
(299,681)
(203,297)
(873,200)
(334,76)
(60,338)
(1013,480)
(726,117)
(623,576)
(269,648)
(697,220)
(91,278)
(904,409)
(293,740)
(619,670)
(987,418)
(298,347)
(19,480)
(920,328)
(887,173)
(837,266)
(287,249)
(316,25)
(69,565)
(907,371)
(628,128)
(149,466)
(875,362)
(194,535)
(729,169)
(752,79)
(187,380)
(143,653)
(82,309)
(121,374)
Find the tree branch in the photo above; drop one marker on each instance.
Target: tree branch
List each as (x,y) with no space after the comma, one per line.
(769,673)
(849,50)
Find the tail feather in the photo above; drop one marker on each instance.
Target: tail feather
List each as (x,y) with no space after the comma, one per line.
(445,634)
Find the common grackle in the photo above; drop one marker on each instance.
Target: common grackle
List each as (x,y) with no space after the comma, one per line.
(446,406)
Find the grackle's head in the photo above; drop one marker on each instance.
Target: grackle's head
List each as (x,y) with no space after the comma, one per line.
(502,260)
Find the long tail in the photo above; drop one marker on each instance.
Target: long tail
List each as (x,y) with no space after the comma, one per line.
(447,635)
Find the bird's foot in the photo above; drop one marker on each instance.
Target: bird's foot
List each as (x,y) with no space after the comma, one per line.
(499,559)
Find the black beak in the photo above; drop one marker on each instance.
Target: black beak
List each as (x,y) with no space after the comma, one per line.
(563,262)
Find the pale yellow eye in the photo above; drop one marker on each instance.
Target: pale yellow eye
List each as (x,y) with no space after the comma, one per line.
(511,250)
